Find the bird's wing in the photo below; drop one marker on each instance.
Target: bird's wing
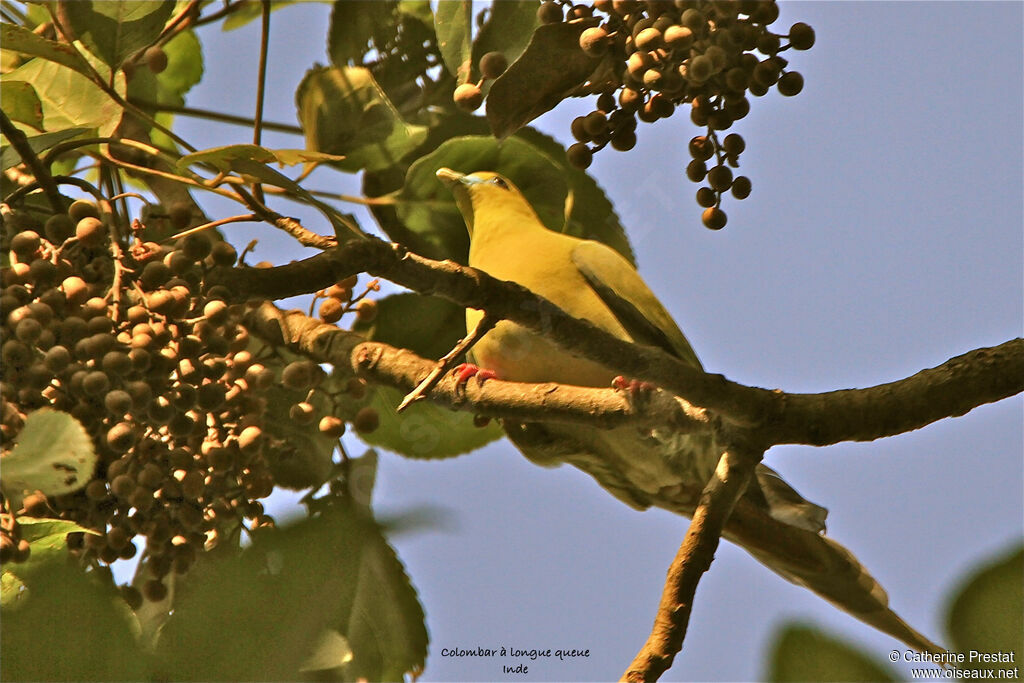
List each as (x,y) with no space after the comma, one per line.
(625,293)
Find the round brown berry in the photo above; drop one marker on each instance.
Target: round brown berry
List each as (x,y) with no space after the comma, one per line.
(493,64)
(741,187)
(366,420)
(468,97)
(714,218)
(549,12)
(801,36)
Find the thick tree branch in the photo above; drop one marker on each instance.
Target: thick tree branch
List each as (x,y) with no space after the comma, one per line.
(951,389)
(403,369)
(733,474)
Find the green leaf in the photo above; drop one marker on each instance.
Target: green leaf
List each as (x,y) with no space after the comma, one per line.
(453,23)
(248,11)
(508,29)
(344,111)
(114,31)
(592,215)
(985,612)
(250,162)
(48,534)
(805,653)
(48,542)
(291,157)
(293,585)
(417,9)
(428,208)
(54,454)
(19,101)
(354,26)
(552,66)
(38,143)
(389,181)
(301,457)
(68,627)
(184,68)
(19,39)
(428,325)
(12,589)
(226,158)
(69,99)
(425,430)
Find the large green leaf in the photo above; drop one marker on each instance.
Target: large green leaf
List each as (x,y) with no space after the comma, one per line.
(262,614)
(391,180)
(427,325)
(986,614)
(508,29)
(20,39)
(427,207)
(344,111)
(552,66)
(424,429)
(453,24)
(592,215)
(54,454)
(19,101)
(69,99)
(354,25)
(116,29)
(248,11)
(805,653)
(184,70)
(228,158)
(303,457)
(69,627)
(250,162)
(47,540)
(430,326)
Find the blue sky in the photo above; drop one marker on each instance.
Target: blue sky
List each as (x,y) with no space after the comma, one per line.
(883,236)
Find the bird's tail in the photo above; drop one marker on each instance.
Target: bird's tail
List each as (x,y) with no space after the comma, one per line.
(816,562)
(771,521)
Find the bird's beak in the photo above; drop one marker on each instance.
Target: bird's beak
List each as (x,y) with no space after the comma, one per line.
(449,177)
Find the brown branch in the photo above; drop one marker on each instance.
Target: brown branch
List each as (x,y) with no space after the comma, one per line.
(404,370)
(20,143)
(733,474)
(953,388)
(214,116)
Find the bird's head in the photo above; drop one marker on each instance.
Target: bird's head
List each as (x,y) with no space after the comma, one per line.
(485,195)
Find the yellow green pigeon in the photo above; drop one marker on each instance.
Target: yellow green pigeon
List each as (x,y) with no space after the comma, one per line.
(592,281)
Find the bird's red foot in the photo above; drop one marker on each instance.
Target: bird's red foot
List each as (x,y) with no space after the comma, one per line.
(466,370)
(633,386)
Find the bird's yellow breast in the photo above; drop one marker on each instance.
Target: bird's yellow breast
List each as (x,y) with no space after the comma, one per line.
(539,260)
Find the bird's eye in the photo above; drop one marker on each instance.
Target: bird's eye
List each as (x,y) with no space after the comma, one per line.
(500,182)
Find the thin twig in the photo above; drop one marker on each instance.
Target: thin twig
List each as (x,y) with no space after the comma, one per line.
(261,84)
(13,197)
(243,218)
(229,8)
(21,145)
(733,474)
(179,23)
(215,116)
(423,388)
